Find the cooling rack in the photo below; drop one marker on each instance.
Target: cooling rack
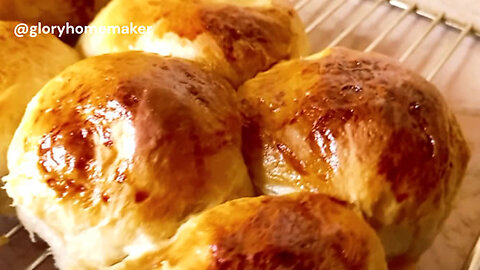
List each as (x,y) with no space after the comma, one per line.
(403,9)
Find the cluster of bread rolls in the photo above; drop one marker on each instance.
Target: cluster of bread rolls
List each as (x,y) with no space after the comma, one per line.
(211,142)
(362,129)
(235,39)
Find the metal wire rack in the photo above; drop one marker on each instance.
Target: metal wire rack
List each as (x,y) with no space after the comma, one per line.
(463,29)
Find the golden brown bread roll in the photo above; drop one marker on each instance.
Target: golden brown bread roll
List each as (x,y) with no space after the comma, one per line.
(361,128)
(26,65)
(236,39)
(116,151)
(300,231)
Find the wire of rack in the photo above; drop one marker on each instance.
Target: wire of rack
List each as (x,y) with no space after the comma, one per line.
(436,19)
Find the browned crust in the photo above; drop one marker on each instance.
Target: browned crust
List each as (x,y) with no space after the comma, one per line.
(180,114)
(251,39)
(242,40)
(307,231)
(405,115)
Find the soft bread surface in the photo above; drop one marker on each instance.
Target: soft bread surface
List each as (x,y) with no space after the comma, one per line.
(118,150)
(299,231)
(361,128)
(236,39)
(26,65)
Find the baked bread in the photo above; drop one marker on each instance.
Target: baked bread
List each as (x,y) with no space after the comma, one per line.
(118,150)
(26,65)
(361,128)
(236,39)
(51,12)
(300,231)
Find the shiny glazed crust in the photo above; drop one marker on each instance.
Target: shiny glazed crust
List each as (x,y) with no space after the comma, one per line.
(361,128)
(236,39)
(118,150)
(26,65)
(300,231)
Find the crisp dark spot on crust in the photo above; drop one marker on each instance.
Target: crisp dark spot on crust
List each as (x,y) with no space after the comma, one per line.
(141,196)
(105,197)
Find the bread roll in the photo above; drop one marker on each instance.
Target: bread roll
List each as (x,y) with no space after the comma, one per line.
(26,65)
(301,231)
(236,39)
(361,128)
(118,150)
